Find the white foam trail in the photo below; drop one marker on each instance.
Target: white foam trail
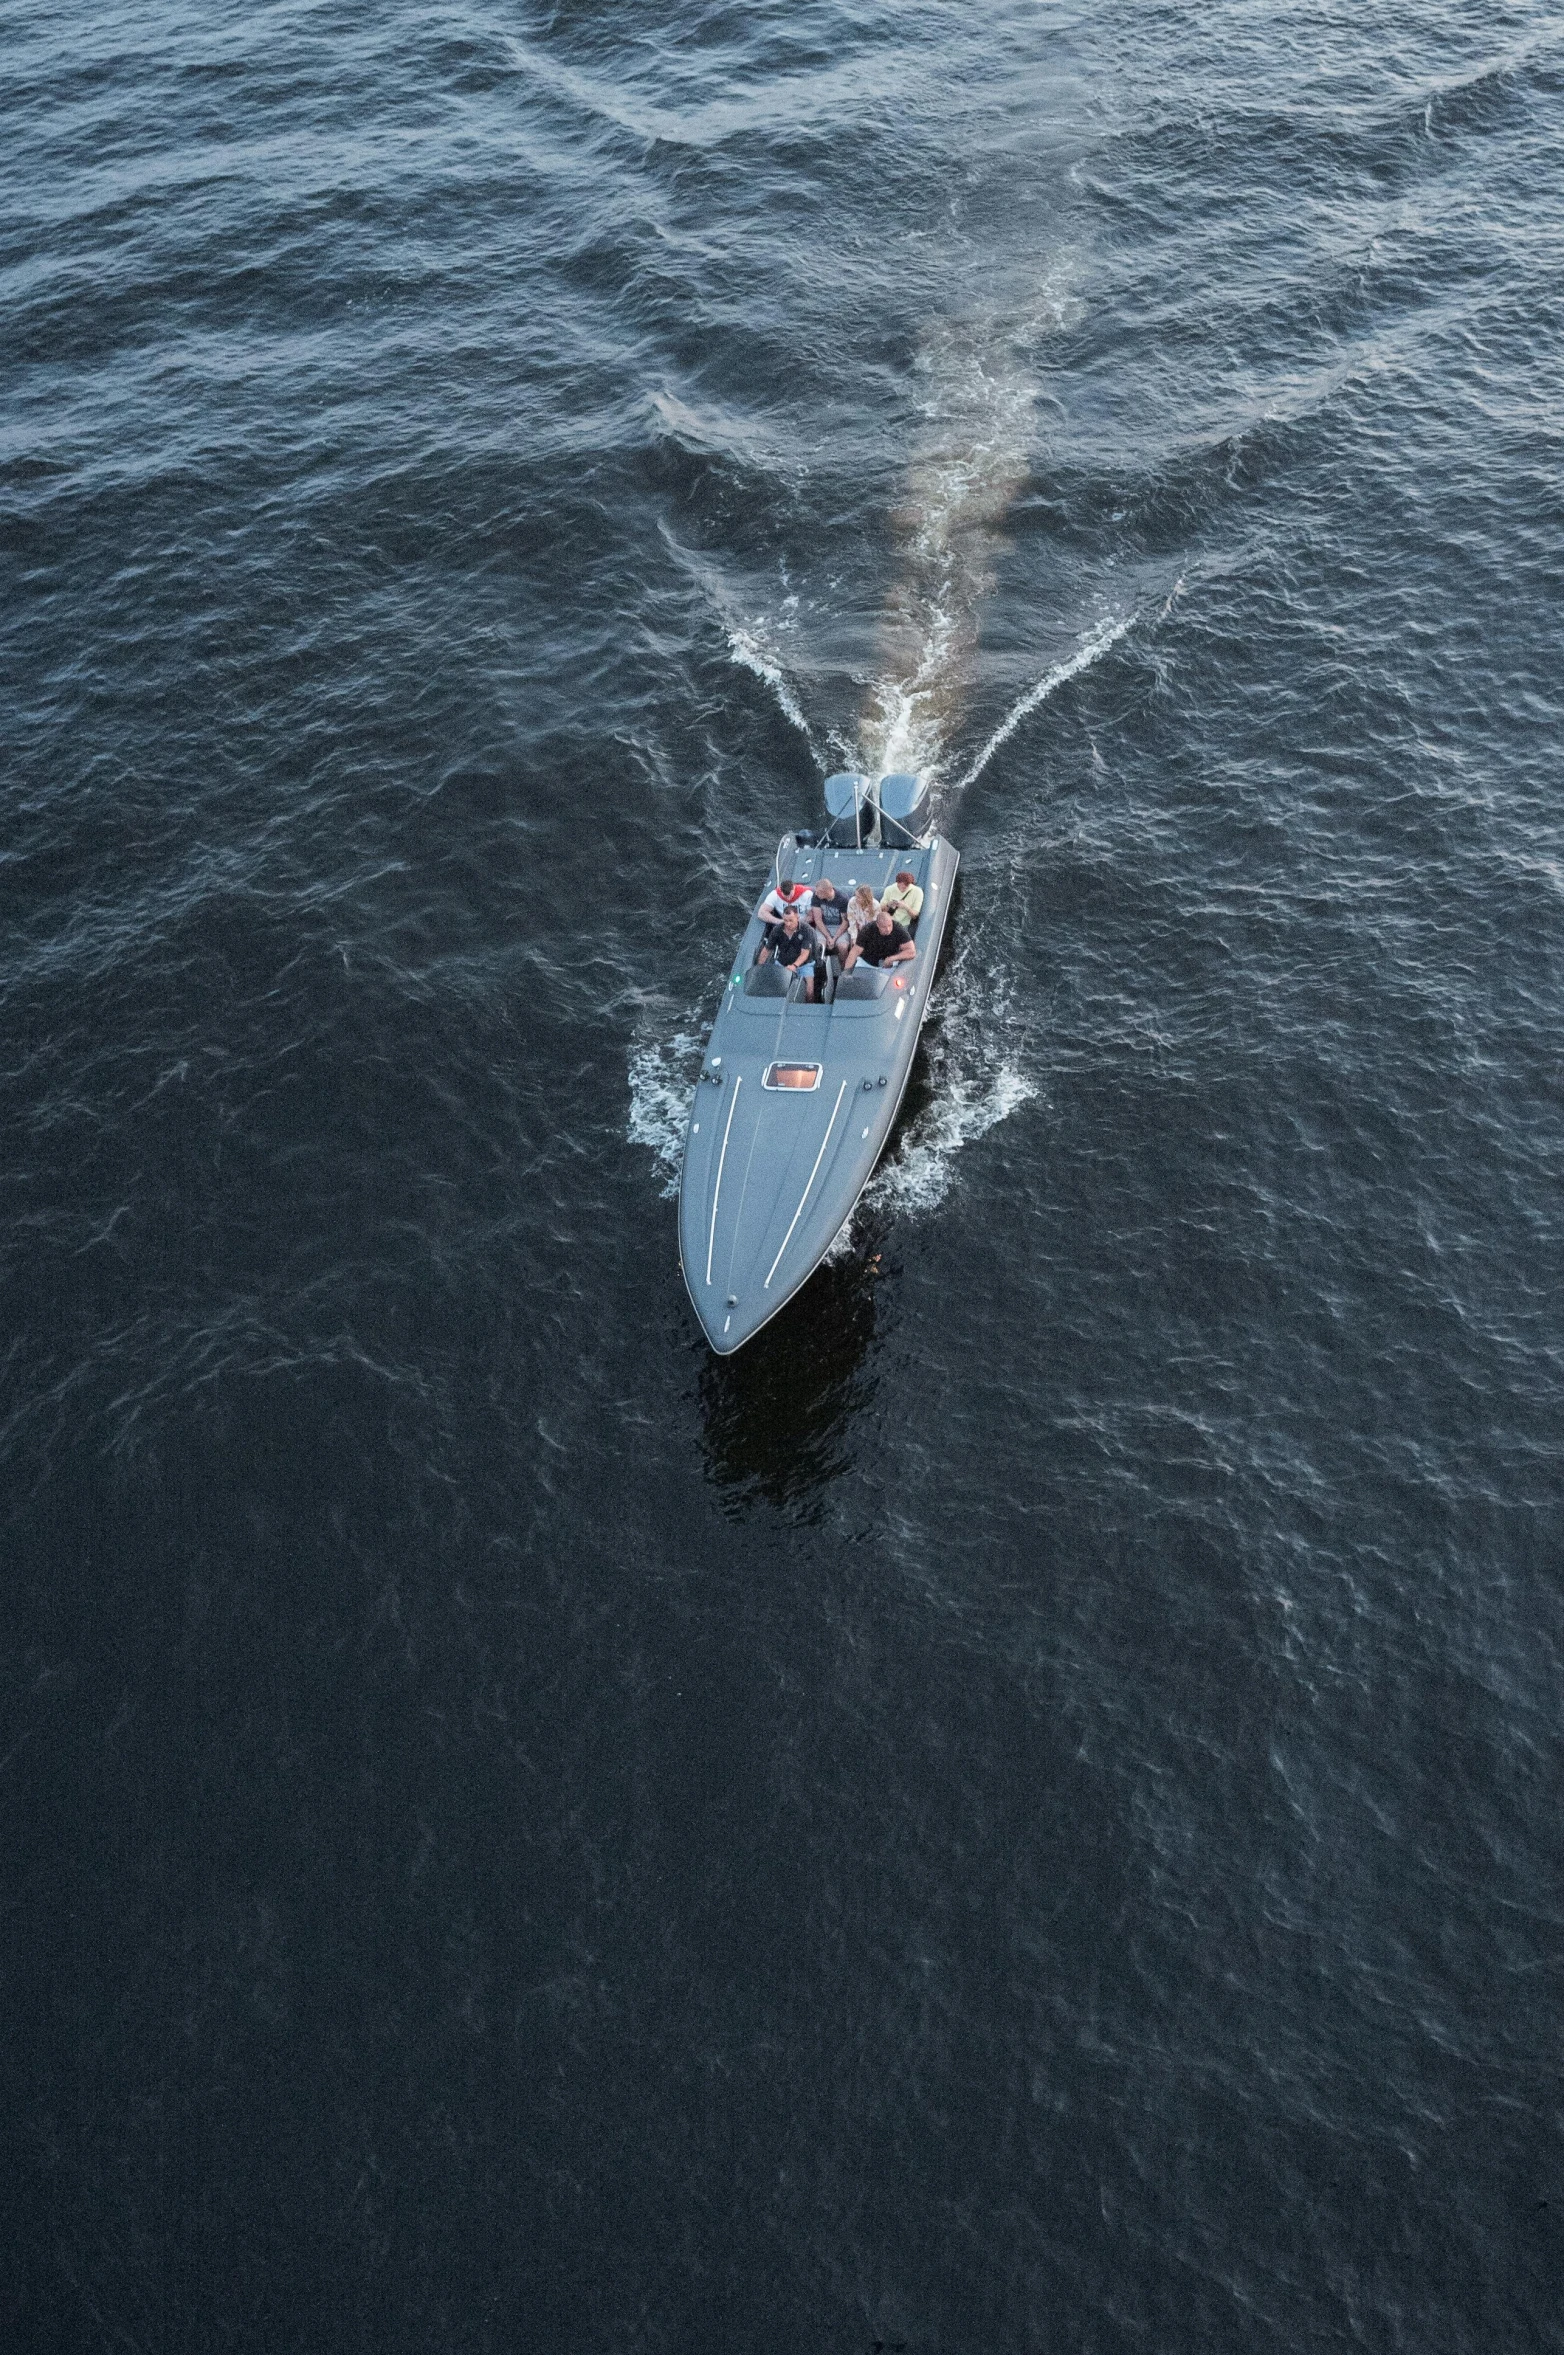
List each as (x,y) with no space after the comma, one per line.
(662,1074)
(747,650)
(979,413)
(979,1073)
(922,1172)
(1090,650)
(978,1068)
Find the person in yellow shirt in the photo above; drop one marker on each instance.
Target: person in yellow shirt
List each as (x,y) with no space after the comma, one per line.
(904,900)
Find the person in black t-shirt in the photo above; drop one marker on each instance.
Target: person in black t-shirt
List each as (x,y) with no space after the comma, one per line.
(829,916)
(793,945)
(884,942)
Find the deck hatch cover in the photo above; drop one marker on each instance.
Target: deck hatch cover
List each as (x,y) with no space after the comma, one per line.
(792,1075)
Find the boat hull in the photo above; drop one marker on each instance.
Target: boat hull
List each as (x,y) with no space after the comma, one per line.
(794,1106)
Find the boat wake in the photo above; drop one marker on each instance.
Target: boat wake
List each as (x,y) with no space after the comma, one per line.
(978,431)
(1092,648)
(663,1072)
(975,445)
(750,651)
(978,1072)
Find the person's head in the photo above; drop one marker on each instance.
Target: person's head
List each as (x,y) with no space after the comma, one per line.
(885,921)
(905,879)
(790,920)
(864,896)
(825,890)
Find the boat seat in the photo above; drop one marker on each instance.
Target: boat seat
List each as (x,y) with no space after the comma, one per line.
(860,983)
(765,981)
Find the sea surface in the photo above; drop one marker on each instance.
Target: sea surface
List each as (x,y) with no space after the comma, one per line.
(1024,1814)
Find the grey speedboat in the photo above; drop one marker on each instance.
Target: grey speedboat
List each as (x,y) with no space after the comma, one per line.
(795,1100)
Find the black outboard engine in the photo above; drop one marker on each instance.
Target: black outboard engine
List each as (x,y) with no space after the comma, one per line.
(894,812)
(850,800)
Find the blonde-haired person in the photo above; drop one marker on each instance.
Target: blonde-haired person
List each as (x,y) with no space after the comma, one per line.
(862,909)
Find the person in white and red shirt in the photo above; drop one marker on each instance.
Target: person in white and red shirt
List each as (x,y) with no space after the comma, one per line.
(783,896)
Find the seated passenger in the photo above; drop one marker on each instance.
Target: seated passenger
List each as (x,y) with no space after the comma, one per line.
(904,899)
(794,947)
(780,898)
(862,909)
(884,942)
(829,916)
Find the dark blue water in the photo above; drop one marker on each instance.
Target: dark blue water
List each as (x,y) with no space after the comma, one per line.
(1023,1813)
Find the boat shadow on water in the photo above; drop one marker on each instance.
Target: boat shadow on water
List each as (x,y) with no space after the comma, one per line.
(778,1416)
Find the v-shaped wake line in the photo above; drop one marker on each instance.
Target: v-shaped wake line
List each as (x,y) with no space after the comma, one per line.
(748,652)
(1091,649)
